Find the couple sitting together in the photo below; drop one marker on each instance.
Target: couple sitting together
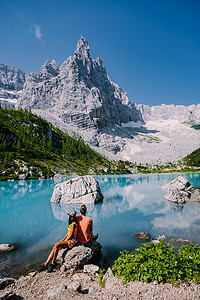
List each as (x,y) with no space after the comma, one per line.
(79,230)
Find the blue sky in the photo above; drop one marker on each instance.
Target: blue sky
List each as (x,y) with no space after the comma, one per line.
(150,48)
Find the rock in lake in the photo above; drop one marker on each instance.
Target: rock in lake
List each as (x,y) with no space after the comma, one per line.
(79,190)
(80,255)
(181,191)
(143,236)
(180,242)
(7,247)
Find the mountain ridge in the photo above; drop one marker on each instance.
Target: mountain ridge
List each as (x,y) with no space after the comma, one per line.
(80,98)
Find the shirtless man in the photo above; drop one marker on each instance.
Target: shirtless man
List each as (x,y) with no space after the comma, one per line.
(85,227)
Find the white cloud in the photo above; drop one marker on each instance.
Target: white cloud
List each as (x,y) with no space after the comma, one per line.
(38,33)
(32,27)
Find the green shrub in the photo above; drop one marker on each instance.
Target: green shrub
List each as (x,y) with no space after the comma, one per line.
(102,281)
(158,262)
(189,258)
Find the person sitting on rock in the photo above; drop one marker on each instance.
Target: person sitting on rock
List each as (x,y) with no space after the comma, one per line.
(67,242)
(85,227)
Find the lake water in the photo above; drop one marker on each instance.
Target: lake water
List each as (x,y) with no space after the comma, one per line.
(132,203)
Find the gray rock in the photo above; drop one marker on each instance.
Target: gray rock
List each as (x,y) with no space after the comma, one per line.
(32,173)
(24,169)
(81,276)
(80,255)
(109,273)
(74,286)
(42,174)
(91,269)
(144,236)
(5,282)
(23,176)
(170,112)
(180,241)
(7,247)
(11,84)
(82,189)
(181,191)
(11,78)
(57,289)
(93,289)
(111,282)
(62,268)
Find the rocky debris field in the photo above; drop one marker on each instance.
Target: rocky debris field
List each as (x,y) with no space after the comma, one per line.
(85,285)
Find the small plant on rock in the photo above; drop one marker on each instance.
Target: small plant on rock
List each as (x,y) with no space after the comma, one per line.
(102,280)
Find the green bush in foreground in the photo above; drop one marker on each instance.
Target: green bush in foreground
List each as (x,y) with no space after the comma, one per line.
(158,262)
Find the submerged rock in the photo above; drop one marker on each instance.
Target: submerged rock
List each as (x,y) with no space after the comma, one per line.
(181,191)
(80,190)
(180,242)
(80,255)
(144,236)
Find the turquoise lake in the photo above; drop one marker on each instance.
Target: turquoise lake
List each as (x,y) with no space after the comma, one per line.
(132,203)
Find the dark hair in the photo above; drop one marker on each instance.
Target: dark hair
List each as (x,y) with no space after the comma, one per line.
(83,209)
(72,219)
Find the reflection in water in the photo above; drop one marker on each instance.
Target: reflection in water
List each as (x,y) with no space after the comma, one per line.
(132,203)
(176,207)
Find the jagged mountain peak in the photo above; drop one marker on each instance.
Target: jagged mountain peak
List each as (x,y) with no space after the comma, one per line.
(81,86)
(82,49)
(54,65)
(81,95)
(49,69)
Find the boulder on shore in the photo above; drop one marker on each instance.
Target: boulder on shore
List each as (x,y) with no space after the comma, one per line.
(79,190)
(80,255)
(181,191)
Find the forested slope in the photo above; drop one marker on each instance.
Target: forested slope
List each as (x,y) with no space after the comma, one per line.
(32,147)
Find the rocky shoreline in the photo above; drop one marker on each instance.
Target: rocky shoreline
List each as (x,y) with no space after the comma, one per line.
(85,285)
(76,277)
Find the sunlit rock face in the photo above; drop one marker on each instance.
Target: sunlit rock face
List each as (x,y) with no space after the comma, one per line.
(170,112)
(82,189)
(181,191)
(80,98)
(80,92)
(11,84)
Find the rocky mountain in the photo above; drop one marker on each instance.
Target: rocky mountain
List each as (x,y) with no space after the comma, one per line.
(80,92)
(80,98)
(170,112)
(11,84)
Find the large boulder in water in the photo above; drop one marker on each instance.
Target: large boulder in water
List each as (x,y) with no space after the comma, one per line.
(80,190)
(181,191)
(80,255)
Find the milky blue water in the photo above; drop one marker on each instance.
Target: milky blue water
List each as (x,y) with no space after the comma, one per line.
(132,203)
